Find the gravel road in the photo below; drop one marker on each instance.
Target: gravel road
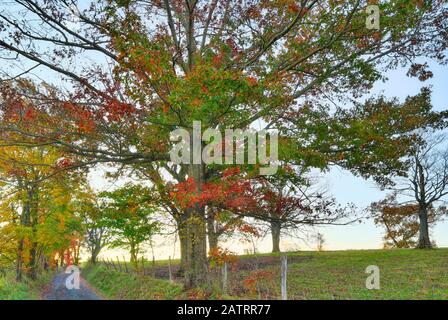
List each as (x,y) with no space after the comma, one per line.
(58,290)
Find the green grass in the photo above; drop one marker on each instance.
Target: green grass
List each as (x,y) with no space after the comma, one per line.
(126,286)
(404,274)
(10,289)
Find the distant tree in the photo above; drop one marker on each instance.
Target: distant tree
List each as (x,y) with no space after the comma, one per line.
(96,232)
(289,206)
(129,215)
(320,241)
(427,187)
(400,221)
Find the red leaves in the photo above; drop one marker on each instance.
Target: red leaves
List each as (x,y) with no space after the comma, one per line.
(230,191)
(117,110)
(255,277)
(293,7)
(64,163)
(421,71)
(30,114)
(217,60)
(249,229)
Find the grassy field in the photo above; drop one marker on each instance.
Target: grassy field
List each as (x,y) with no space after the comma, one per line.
(404,274)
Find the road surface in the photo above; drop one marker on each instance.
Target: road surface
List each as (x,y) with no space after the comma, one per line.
(59,291)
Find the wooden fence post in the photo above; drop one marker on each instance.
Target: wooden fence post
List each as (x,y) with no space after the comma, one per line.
(119,264)
(143,265)
(169,269)
(113,265)
(284,269)
(224,278)
(125,265)
(153,267)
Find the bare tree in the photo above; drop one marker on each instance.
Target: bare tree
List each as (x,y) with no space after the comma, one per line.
(427,184)
(320,241)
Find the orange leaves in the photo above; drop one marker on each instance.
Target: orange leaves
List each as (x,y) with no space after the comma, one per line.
(218,256)
(249,229)
(252,81)
(255,277)
(293,7)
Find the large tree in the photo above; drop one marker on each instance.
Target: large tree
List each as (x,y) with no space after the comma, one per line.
(226,64)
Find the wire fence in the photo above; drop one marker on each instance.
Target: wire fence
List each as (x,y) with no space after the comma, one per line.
(262,278)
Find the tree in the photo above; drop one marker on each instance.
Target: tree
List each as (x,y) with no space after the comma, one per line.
(320,241)
(129,216)
(427,185)
(288,203)
(37,204)
(97,234)
(222,63)
(400,221)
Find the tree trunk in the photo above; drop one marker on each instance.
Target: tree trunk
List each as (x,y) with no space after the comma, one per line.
(196,266)
(19,261)
(33,264)
(211,232)
(423,241)
(25,220)
(183,247)
(196,251)
(275,232)
(94,254)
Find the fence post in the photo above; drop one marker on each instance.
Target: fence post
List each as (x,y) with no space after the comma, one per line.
(153,267)
(143,265)
(119,264)
(224,278)
(284,269)
(125,265)
(113,264)
(169,269)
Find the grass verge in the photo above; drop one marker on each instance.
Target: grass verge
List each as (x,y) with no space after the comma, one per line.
(126,286)
(28,289)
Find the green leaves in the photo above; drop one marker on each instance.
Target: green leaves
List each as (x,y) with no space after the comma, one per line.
(128,213)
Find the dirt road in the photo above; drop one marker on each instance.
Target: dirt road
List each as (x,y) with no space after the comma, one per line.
(58,290)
